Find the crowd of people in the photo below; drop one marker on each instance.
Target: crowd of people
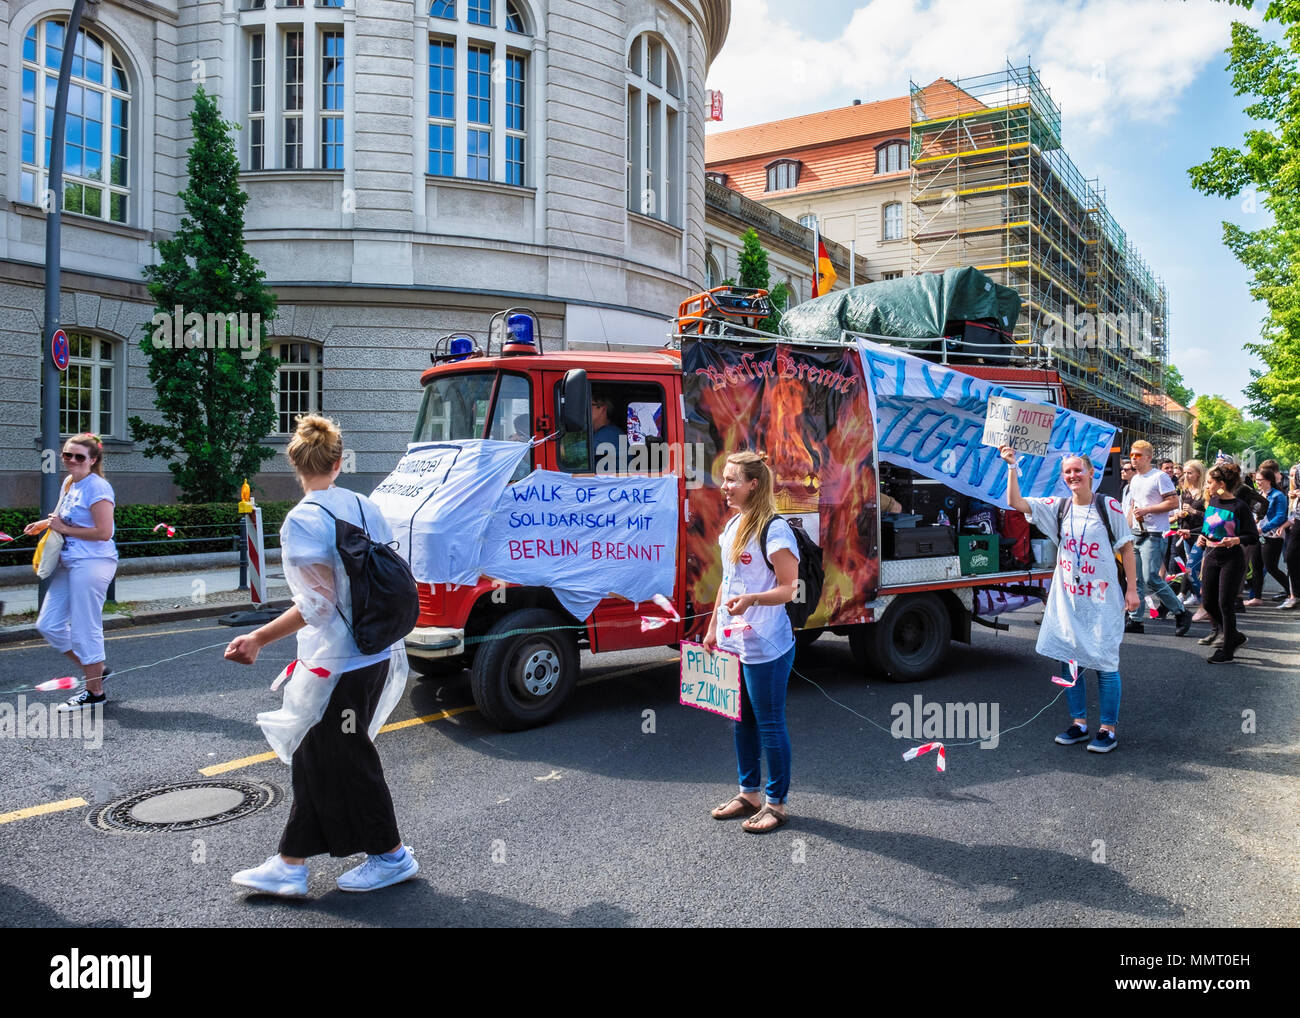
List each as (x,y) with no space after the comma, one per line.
(1208,539)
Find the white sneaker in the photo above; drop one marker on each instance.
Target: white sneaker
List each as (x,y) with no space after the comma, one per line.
(377,872)
(275,876)
(1290,603)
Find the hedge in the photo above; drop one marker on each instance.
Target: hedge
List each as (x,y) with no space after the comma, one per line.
(205,527)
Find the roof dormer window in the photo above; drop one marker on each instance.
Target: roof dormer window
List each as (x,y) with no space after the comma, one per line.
(783,175)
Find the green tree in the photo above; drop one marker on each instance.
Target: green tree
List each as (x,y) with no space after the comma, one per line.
(1267,169)
(1219,426)
(213,375)
(1176,387)
(756,275)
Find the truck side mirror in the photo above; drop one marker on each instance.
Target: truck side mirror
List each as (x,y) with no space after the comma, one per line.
(575,402)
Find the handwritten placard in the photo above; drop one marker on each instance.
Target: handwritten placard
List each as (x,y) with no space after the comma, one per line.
(710,680)
(1026,427)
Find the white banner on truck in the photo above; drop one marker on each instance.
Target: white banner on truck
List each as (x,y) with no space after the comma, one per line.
(930,418)
(439,500)
(585,537)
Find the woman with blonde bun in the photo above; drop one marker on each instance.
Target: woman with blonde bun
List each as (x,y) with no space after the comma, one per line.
(335,697)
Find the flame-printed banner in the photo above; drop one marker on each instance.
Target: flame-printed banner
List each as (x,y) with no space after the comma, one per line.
(808,408)
(930,418)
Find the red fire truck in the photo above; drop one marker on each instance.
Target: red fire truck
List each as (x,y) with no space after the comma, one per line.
(521,646)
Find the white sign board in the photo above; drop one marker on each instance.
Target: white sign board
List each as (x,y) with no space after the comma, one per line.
(710,681)
(1026,427)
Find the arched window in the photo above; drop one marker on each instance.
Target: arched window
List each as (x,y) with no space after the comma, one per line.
(783,174)
(294,82)
(300,383)
(712,272)
(892,223)
(97,154)
(654,130)
(479,49)
(88,389)
(808,221)
(892,157)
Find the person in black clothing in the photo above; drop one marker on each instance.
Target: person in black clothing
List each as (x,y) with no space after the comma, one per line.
(1229,525)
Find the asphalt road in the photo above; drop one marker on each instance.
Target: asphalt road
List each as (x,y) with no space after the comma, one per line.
(593,821)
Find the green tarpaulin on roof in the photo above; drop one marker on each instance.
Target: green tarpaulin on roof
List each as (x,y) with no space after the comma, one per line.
(915,307)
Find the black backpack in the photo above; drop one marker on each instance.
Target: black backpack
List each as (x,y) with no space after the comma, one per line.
(385,601)
(812,574)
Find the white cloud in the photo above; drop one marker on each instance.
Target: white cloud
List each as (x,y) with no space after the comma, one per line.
(1103,60)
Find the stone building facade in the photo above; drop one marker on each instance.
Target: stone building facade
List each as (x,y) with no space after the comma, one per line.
(412,169)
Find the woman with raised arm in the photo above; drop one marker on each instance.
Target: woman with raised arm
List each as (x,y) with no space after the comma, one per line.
(749,619)
(1084,620)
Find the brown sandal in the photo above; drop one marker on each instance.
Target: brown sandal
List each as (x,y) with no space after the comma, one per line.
(725,812)
(781,820)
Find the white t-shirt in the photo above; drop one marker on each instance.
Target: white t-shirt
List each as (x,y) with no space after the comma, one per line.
(1152,488)
(1084,620)
(771,634)
(74,509)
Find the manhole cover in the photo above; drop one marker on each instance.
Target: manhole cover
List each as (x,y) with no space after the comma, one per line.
(184,807)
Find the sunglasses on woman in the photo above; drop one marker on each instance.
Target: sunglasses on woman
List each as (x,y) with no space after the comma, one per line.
(76,457)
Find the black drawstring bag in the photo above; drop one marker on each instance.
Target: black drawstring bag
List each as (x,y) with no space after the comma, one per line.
(385,601)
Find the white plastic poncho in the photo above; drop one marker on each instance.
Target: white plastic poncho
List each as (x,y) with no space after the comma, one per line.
(1084,619)
(322,594)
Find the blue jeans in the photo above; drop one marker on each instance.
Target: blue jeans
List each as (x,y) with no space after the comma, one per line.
(1194,558)
(1150,557)
(1108,690)
(762,727)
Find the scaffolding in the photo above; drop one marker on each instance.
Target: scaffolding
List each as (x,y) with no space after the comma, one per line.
(992,187)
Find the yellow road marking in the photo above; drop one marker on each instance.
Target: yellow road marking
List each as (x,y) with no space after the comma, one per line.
(427,719)
(234,765)
(49,807)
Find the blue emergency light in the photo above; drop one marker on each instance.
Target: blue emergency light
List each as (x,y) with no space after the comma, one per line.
(520,330)
(461,347)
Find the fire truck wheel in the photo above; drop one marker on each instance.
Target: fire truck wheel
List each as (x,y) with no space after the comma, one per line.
(909,642)
(526,667)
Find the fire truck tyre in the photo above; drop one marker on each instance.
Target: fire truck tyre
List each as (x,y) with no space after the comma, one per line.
(520,677)
(911,640)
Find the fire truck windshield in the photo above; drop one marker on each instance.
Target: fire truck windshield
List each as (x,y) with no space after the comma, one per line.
(455,407)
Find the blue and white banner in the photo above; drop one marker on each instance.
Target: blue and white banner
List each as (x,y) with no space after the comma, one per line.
(438,502)
(585,537)
(930,418)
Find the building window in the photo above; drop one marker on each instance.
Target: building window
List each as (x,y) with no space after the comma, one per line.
(300,384)
(331,101)
(96,164)
(712,273)
(490,142)
(893,221)
(295,85)
(654,130)
(809,221)
(892,157)
(87,388)
(891,275)
(782,175)
(717,178)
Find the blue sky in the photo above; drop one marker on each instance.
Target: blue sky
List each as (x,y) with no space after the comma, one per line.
(1145,97)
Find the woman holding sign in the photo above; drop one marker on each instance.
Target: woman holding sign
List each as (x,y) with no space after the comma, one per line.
(749,620)
(1084,620)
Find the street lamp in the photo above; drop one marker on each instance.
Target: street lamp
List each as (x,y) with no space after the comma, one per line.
(51,370)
